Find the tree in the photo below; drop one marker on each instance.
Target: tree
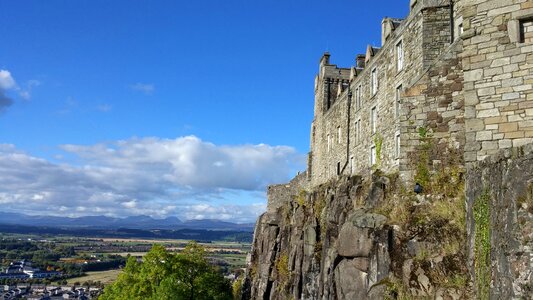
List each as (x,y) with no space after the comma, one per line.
(164,276)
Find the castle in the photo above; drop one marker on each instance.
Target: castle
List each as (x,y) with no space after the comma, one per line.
(450,91)
(457,70)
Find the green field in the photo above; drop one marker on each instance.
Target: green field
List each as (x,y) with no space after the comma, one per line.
(106,277)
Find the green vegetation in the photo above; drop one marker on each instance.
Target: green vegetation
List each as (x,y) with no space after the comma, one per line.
(481,211)
(378,142)
(53,255)
(237,288)
(300,199)
(104,277)
(422,175)
(282,266)
(163,275)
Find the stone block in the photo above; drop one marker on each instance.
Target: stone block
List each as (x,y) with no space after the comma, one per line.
(483,135)
(524,124)
(514,135)
(474,125)
(473,75)
(510,96)
(486,91)
(500,62)
(494,120)
(522,142)
(504,144)
(489,145)
(494,112)
(508,127)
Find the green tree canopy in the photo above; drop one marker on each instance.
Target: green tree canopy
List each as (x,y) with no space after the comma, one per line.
(165,276)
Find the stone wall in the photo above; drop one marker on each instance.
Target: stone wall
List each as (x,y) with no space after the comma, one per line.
(498,76)
(277,194)
(433,110)
(499,194)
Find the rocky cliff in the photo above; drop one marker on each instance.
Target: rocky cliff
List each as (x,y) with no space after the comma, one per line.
(499,198)
(360,238)
(467,235)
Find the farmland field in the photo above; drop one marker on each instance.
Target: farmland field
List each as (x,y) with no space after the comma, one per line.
(105,277)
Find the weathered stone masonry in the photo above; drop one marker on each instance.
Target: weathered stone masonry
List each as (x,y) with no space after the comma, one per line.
(472,115)
(394,90)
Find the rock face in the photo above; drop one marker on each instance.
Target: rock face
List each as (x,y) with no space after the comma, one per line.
(317,246)
(500,224)
(333,243)
(357,238)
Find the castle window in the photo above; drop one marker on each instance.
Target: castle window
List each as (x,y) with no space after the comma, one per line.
(397,101)
(526,30)
(374,81)
(357,131)
(399,56)
(339,134)
(373,155)
(460,29)
(329,142)
(352,166)
(397,145)
(374,119)
(358,97)
(338,168)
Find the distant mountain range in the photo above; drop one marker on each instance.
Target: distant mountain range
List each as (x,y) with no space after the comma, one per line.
(133,222)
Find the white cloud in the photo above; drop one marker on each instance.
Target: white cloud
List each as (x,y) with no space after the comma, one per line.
(6,83)
(185,176)
(6,80)
(146,88)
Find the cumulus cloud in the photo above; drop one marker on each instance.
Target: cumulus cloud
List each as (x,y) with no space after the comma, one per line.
(6,83)
(186,176)
(145,88)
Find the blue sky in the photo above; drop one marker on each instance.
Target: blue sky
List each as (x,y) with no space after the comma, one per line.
(156,93)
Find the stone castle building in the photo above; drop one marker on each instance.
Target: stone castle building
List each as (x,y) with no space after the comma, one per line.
(449,91)
(459,71)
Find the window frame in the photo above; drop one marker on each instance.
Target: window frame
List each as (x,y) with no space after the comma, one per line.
(373,155)
(399,56)
(374,82)
(397,100)
(397,145)
(374,119)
